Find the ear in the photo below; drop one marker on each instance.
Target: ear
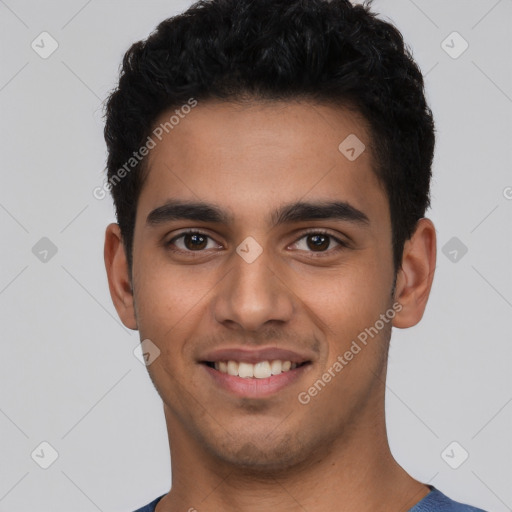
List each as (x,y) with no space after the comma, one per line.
(416,274)
(118,275)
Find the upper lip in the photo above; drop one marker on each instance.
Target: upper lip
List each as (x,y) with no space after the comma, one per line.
(255,355)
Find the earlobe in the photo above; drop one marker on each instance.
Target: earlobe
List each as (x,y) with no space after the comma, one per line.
(414,280)
(118,276)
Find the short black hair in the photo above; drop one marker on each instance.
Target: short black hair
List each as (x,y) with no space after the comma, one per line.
(331,52)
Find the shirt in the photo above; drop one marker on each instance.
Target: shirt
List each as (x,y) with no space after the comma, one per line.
(434,501)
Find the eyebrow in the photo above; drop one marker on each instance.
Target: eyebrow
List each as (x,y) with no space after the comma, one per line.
(289,213)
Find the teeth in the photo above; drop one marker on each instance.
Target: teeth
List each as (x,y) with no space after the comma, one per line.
(260,370)
(232,368)
(276,367)
(245,370)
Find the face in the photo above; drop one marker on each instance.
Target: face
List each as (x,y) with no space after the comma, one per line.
(231,280)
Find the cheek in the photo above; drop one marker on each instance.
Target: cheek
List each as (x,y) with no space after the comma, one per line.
(170,298)
(168,304)
(350,291)
(348,300)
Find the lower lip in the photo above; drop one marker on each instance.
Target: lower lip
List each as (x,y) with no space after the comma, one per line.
(255,388)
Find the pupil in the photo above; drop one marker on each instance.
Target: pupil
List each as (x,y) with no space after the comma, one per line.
(320,241)
(195,238)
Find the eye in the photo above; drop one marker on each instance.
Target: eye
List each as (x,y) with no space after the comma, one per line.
(191,241)
(319,242)
(316,241)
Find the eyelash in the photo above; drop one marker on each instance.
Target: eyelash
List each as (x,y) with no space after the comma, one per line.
(342,245)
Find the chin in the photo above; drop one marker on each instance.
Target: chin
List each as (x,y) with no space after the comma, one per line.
(262,456)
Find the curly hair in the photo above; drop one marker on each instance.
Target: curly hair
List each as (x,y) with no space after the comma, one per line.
(330,52)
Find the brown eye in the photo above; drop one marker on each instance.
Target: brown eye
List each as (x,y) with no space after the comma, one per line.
(195,241)
(191,241)
(318,241)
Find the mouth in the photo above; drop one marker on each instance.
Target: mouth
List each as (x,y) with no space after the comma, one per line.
(257,373)
(260,370)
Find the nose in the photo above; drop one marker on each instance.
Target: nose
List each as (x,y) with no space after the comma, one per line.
(252,295)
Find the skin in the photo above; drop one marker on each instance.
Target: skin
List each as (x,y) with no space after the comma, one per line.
(240,454)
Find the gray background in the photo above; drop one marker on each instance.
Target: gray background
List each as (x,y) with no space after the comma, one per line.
(68,372)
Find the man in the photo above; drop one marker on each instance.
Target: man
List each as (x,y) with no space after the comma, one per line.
(270,164)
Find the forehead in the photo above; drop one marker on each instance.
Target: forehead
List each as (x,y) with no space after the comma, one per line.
(251,157)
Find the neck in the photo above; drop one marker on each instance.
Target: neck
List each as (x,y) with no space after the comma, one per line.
(355,472)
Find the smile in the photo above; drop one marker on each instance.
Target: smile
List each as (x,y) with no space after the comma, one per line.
(255,380)
(259,370)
